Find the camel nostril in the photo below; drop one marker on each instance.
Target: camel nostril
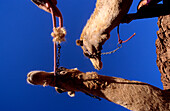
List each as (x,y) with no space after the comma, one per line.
(34,77)
(39,77)
(29,80)
(29,74)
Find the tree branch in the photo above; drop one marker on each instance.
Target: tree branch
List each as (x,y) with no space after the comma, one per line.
(133,95)
(148,12)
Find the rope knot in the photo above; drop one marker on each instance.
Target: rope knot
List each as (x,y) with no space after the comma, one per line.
(59,34)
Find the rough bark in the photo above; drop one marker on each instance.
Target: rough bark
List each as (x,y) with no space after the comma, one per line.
(163,50)
(133,95)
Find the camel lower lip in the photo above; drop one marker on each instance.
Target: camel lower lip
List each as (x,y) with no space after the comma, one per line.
(30,77)
(40,78)
(29,81)
(96,63)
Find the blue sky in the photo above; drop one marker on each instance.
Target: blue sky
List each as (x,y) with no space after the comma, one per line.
(26,45)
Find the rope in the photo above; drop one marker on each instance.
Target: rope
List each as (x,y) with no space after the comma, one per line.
(58,56)
(111,52)
(119,43)
(58,34)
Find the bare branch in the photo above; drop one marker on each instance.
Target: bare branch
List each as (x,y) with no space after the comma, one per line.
(147,12)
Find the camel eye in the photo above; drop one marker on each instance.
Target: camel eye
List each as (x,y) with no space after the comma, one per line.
(38,2)
(79,42)
(62,68)
(63,72)
(86,54)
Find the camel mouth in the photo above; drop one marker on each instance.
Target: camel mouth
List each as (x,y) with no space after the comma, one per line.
(30,77)
(95,59)
(96,63)
(37,78)
(30,81)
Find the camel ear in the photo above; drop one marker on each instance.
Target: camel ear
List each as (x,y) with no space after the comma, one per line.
(71,93)
(79,42)
(59,90)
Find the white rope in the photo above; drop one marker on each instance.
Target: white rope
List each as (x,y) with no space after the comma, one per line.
(58,34)
(111,52)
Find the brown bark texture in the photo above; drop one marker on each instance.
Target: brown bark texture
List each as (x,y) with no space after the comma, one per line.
(163,50)
(133,95)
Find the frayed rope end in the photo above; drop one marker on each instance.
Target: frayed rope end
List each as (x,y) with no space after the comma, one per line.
(59,34)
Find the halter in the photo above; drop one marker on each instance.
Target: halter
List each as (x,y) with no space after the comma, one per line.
(119,44)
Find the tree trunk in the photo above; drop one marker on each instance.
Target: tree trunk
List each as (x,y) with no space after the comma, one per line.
(163,50)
